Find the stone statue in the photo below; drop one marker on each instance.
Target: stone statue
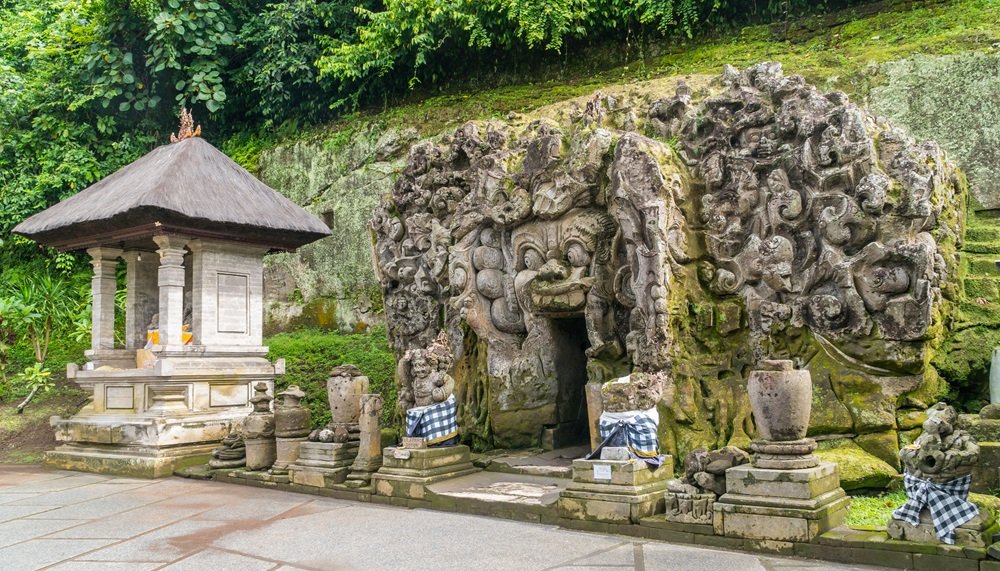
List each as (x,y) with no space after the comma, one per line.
(783,221)
(423,375)
(942,452)
(939,465)
(691,499)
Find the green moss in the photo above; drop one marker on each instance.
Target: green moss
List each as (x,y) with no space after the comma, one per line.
(311,354)
(873,512)
(858,469)
(882,445)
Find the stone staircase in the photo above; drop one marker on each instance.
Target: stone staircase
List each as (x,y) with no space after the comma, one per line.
(979,255)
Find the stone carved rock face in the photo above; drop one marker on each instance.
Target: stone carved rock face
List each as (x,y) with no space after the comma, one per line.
(688,236)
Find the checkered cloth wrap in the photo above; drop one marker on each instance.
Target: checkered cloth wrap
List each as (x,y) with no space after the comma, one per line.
(947,503)
(638,434)
(435,423)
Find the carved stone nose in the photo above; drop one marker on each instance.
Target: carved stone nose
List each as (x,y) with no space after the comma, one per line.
(553,270)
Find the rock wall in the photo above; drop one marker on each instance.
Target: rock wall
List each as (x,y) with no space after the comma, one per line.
(685,233)
(952,100)
(330,284)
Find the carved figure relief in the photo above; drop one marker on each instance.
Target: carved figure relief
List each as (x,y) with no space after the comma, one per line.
(789,220)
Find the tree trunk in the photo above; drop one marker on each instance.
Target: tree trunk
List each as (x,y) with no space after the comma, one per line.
(24,403)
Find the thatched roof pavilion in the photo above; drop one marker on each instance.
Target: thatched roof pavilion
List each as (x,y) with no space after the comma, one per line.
(188,187)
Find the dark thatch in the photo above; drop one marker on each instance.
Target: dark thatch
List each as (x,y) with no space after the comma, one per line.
(188,186)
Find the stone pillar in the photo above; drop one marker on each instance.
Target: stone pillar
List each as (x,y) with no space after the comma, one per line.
(369,458)
(595,406)
(170,280)
(142,296)
(103,287)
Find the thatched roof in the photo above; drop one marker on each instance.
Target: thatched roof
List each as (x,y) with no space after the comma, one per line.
(185,187)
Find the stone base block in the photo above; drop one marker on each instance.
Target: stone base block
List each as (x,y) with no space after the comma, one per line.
(986,474)
(133,462)
(405,472)
(780,505)
(317,477)
(322,464)
(977,532)
(614,491)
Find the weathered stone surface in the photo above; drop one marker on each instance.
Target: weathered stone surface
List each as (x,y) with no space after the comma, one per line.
(956,112)
(942,452)
(614,491)
(582,247)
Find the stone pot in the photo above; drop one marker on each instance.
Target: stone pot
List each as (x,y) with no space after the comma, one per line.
(291,419)
(344,389)
(781,399)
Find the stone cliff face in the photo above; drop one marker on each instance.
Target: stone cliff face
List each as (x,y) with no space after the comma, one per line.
(684,232)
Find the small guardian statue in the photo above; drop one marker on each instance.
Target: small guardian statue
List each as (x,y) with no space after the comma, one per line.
(426,393)
(938,474)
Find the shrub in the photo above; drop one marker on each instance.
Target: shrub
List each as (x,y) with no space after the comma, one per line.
(311,354)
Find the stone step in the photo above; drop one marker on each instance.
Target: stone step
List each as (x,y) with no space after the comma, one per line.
(982,234)
(981,248)
(512,496)
(985,266)
(551,464)
(985,288)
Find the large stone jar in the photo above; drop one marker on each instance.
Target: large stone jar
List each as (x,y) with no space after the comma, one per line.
(291,419)
(258,432)
(781,399)
(291,427)
(344,389)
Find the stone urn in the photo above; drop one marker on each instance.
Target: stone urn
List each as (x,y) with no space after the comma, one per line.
(291,419)
(344,389)
(781,399)
(258,431)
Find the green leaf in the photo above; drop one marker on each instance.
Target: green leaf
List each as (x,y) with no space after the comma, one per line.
(179,86)
(212,106)
(219,96)
(124,106)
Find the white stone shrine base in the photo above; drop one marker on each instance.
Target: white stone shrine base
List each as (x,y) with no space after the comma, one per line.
(406,473)
(133,461)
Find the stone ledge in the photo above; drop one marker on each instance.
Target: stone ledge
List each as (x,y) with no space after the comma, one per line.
(842,545)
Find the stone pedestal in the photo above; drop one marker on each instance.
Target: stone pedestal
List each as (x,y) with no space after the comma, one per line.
(322,464)
(689,508)
(780,505)
(405,472)
(977,532)
(369,458)
(614,491)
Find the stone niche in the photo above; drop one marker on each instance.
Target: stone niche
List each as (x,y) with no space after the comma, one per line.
(192,227)
(692,232)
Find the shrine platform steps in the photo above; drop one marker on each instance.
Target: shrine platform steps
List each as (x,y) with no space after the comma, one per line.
(533,462)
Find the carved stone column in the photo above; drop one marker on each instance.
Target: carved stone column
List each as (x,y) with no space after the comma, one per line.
(103,286)
(141,295)
(170,280)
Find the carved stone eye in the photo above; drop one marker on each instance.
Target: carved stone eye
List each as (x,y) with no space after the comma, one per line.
(578,256)
(533,259)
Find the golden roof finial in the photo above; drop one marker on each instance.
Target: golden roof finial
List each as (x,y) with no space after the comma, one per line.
(187,129)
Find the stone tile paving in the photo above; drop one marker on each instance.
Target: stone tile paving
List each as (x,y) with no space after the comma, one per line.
(68,521)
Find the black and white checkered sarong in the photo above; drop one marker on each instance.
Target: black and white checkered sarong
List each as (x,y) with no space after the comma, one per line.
(947,503)
(638,434)
(435,423)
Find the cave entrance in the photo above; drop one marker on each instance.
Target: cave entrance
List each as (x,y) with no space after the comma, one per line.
(570,343)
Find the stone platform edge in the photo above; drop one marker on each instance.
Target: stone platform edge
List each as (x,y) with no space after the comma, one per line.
(839,545)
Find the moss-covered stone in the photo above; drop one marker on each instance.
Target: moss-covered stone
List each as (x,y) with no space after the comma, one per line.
(858,468)
(982,429)
(958,111)
(882,445)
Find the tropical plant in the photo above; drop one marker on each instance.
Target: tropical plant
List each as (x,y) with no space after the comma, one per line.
(38,305)
(35,378)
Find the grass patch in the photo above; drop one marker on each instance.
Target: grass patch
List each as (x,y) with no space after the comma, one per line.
(310,354)
(872,512)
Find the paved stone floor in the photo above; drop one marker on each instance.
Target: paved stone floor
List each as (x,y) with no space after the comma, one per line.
(73,521)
